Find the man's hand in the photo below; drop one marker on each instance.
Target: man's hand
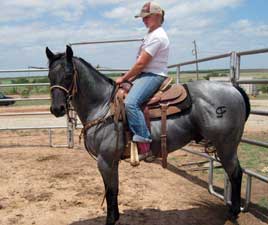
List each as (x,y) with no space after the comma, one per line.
(119,80)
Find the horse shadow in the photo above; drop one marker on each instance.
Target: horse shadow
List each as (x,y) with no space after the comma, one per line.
(256,210)
(201,213)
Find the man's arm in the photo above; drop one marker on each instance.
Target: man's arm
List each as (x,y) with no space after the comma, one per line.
(141,62)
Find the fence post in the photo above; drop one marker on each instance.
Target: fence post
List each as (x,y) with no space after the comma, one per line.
(178,75)
(233,64)
(237,72)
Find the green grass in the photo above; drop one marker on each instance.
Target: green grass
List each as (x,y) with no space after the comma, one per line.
(253,157)
(260,97)
(33,103)
(263,202)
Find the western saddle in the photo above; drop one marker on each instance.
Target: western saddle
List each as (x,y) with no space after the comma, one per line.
(168,100)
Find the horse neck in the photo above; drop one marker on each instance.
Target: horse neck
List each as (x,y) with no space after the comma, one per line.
(94,92)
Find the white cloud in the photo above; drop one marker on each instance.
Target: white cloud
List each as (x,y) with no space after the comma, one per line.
(103,2)
(119,12)
(194,7)
(248,28)
(26,28)
(21,10)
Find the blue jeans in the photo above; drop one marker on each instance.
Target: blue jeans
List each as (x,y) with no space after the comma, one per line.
(144,86)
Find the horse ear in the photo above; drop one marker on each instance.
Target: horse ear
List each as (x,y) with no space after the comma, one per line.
(50,54)
(69,53)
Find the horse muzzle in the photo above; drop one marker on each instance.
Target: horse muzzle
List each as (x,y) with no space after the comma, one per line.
(58,111)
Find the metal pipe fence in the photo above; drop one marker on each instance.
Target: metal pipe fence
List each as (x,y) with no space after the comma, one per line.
(253,81)
(49,128)
(221,56)
(69,126)
(201,60)
(235,61)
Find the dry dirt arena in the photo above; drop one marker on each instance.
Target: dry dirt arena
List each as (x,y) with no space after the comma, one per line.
(40,185)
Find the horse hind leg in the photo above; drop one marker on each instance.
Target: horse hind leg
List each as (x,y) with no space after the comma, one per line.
(231,165)
(236,180)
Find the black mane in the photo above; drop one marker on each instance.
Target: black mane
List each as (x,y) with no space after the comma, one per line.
(111,81)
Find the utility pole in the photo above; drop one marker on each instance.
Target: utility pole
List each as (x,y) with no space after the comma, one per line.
(195,54)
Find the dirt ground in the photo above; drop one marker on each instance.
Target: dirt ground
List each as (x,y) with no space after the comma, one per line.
(40,185)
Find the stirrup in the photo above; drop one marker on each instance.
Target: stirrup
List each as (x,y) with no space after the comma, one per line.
(147,157)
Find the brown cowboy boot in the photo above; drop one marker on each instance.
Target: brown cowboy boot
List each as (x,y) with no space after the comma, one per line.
(144,152)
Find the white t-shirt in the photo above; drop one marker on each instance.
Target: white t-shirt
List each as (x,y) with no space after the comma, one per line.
(156,44)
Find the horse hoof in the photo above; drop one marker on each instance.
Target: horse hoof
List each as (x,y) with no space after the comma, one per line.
(233,214)
(117,216)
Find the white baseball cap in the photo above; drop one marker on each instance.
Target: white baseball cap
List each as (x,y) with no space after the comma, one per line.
(150,8)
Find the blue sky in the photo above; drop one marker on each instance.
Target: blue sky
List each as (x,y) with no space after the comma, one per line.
(218,26)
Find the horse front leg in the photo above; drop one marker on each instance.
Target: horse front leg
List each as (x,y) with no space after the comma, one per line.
(109,173)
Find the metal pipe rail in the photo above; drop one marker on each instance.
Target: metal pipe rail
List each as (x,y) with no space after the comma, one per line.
(23,99)
(23,70)
(25,114)
(33,128)
(112,70)
(253,52)
(256,175)
(259,112)
(49,133)
(210,171)
(105,42)
(253,81)
(46,70)
(69,133)
(26,85)
(201,60)
(254,142)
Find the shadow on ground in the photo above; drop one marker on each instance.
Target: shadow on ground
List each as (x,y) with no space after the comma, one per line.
(192,216)
(259,212)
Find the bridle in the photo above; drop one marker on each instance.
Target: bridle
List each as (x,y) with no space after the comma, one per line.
(71,92)
(59,87)
(73,87)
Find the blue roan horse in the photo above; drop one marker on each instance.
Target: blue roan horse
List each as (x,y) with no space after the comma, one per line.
(218,114)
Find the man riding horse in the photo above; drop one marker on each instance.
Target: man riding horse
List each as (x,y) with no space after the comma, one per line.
(148,73)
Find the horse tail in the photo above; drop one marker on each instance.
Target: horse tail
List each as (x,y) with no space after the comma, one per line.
(246,99)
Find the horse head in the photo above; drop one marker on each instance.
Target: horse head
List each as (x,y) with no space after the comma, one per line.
(61,73)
